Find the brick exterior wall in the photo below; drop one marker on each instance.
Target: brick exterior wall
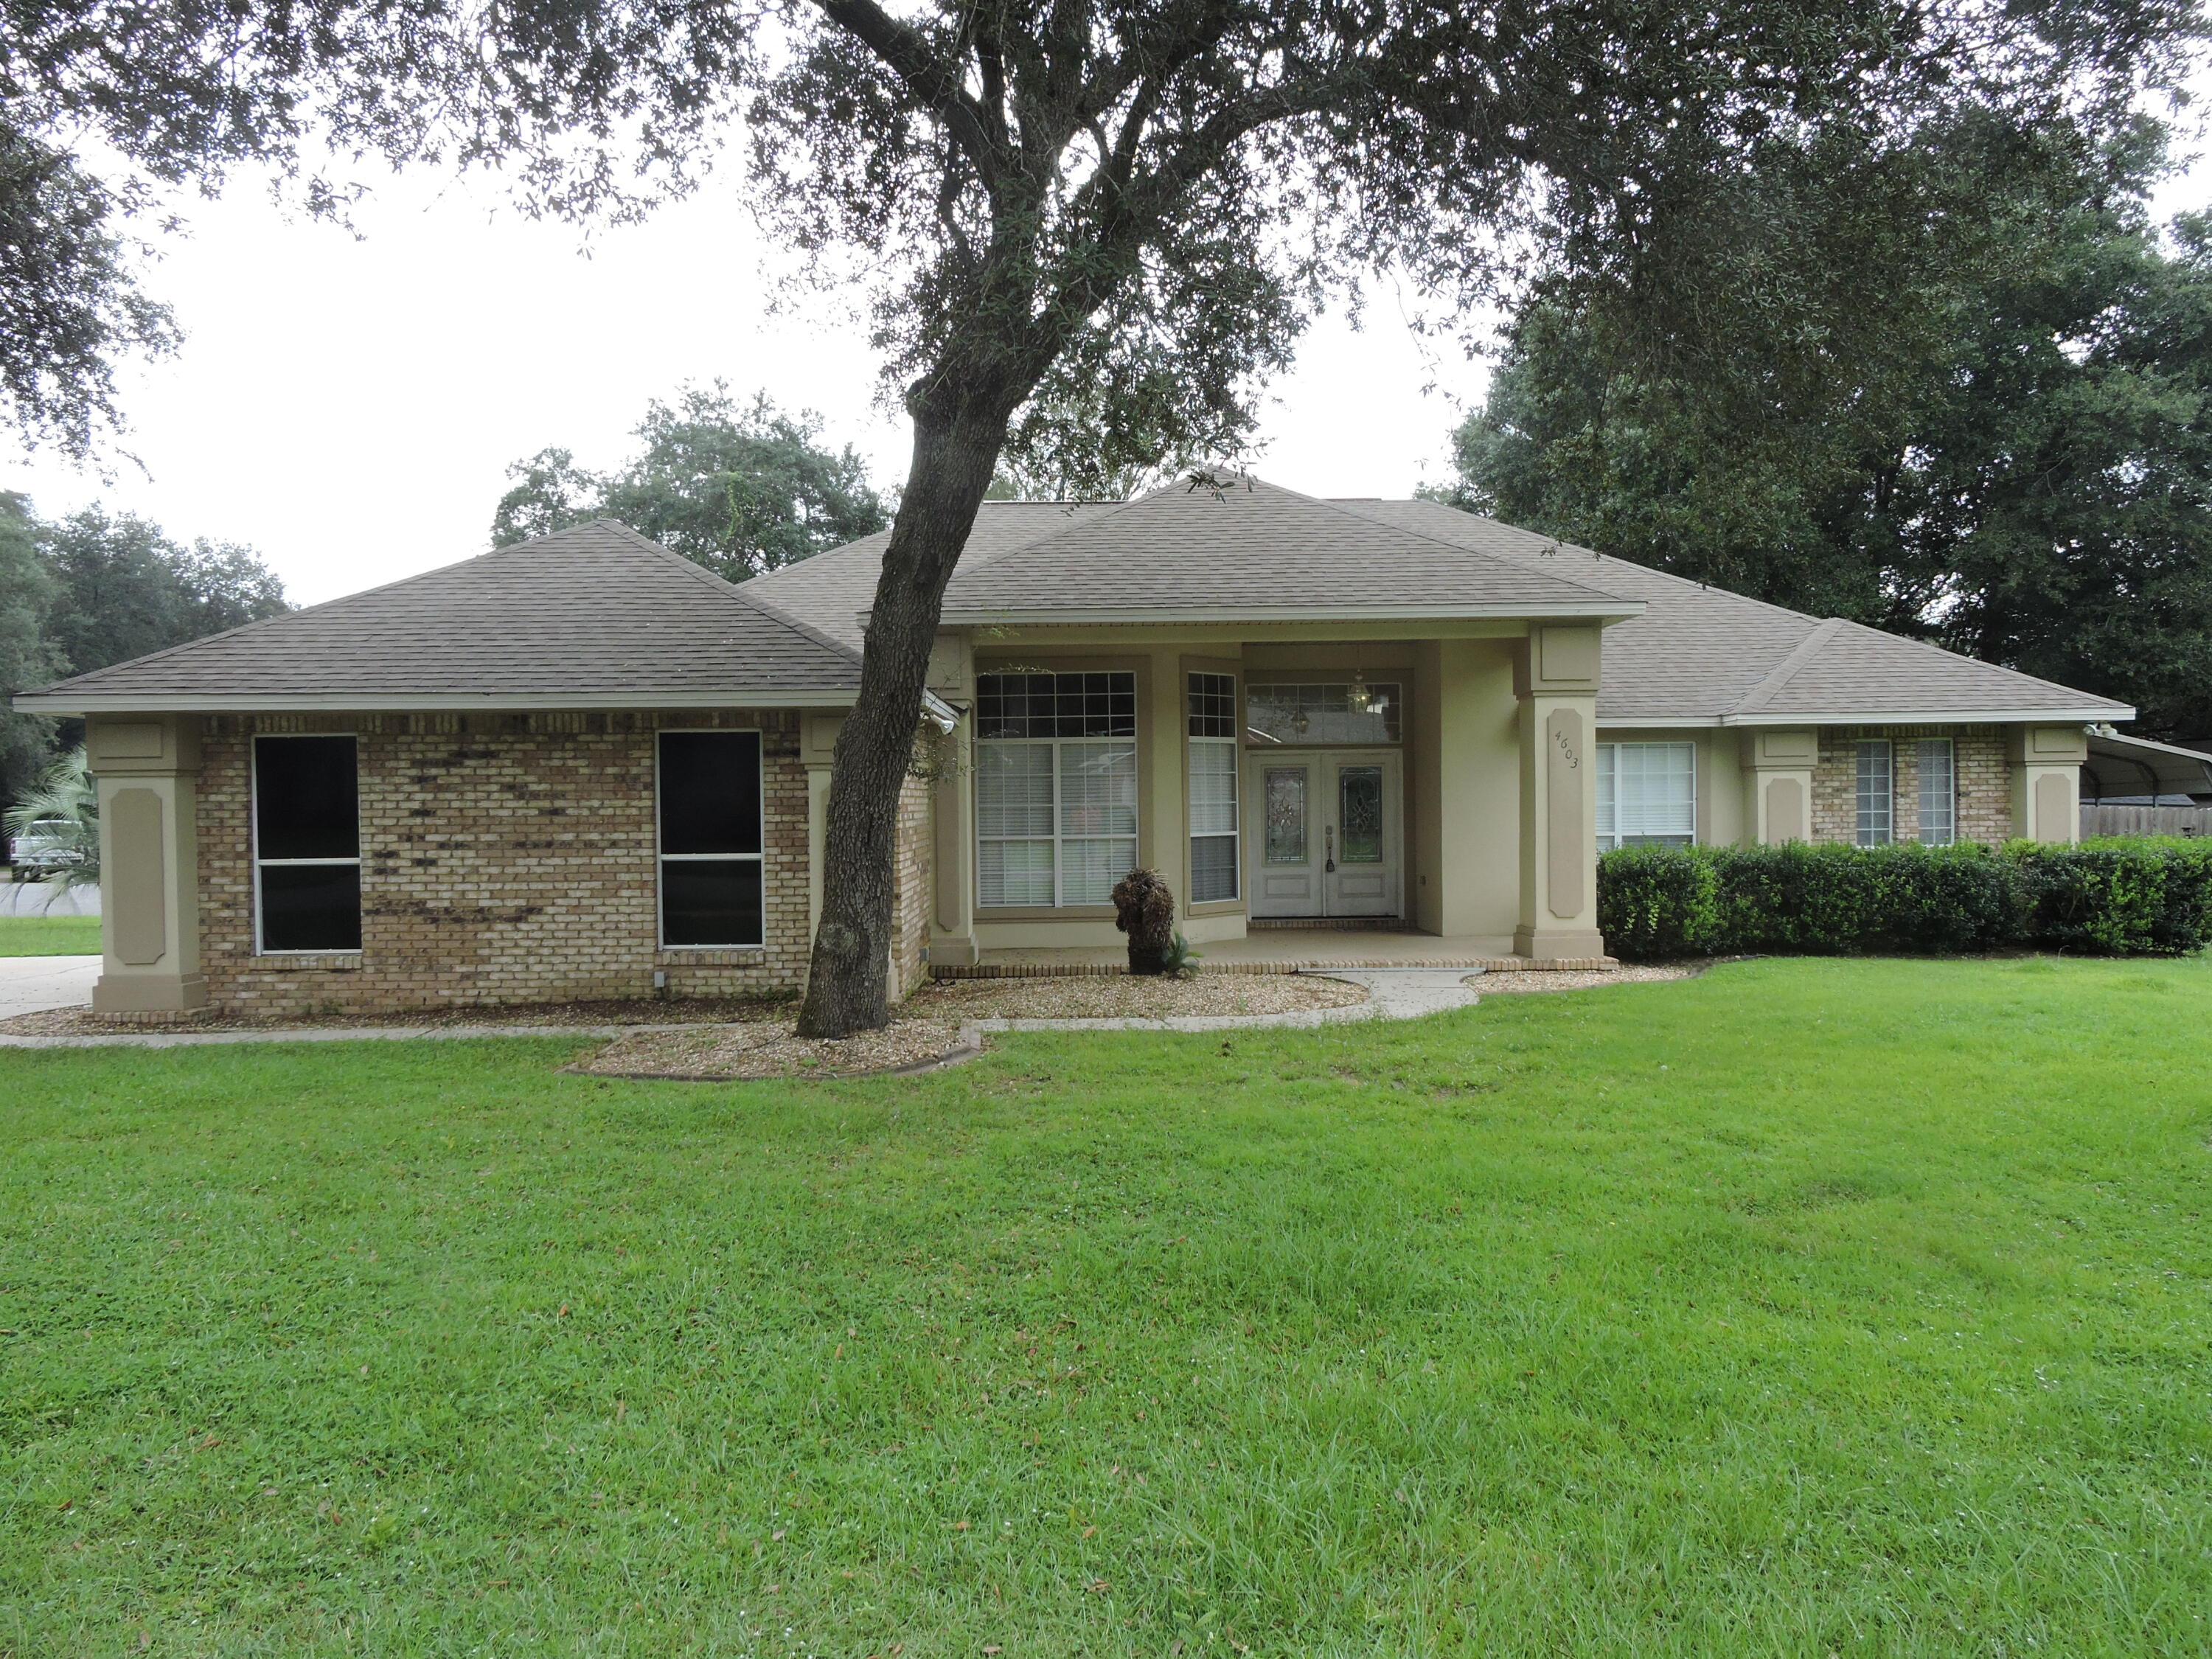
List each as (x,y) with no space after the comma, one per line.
(1984,781)
(505,858)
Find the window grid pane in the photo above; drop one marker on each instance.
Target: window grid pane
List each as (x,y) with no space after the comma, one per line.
(1056,706)
(1212,705)
(1939,796)
(1056,787)
(1323,713)
(1876,814)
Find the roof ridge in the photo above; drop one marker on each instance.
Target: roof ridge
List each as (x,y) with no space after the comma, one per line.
(1693,582)
(1784,672)
(1472,552)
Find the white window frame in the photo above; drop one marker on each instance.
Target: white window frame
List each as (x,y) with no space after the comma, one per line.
(1058,835)
(1230,747)
(1864,831)
(1949,801)
(253,835)
(1609,836)
(661,859)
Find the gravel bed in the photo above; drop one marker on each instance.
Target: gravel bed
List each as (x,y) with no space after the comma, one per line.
(1492,984)
(1128,997)
(771,1049)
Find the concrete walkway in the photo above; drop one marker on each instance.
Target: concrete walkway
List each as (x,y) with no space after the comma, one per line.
(31,985)
(1394,994)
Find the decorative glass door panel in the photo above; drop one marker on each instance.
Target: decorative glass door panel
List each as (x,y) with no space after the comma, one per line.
(1327,839)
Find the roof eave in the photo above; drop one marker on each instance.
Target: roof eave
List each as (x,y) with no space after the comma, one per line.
(1606,611)
(35,703)
(2085,716)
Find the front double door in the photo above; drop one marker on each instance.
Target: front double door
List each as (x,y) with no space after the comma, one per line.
(1326,833)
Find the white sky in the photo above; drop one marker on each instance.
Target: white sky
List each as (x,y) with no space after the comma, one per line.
(349,407)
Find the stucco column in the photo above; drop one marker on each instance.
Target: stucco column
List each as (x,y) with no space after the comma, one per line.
(1556,682)
(2046,763)
(1163,809)
(1778,767)
(147,770)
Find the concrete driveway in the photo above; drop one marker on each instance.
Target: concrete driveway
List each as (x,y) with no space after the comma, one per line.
(47,899)
(31,984)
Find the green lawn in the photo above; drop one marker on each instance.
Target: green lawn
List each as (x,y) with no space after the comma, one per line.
(1809,1308)
(35,935)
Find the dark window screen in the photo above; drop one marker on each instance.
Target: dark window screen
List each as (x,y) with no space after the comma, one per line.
(710,792)
(306,798)
(710,901)
(311,907)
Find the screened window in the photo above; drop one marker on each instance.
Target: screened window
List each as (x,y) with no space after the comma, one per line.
(1876,793)
(1647,794)
(1213,752)
(1056,787)
(1939,792)
(711,885)
(307,843)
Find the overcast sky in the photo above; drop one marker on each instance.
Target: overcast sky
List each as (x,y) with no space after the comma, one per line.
(349,407)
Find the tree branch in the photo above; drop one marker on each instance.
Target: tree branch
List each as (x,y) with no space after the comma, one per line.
(926,75)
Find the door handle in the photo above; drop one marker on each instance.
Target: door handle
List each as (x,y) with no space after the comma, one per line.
(1328,844)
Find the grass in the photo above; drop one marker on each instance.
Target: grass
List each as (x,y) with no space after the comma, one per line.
(36,935)
(1809,1308)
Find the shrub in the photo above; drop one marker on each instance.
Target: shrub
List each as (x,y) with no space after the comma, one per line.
(1659,901)
(1798,899)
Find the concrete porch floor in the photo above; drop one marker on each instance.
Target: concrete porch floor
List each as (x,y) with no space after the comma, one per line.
(1281,951)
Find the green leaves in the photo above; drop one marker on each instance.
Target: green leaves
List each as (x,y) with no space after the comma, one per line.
(737,489)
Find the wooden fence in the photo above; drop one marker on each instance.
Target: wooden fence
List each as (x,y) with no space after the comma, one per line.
(2146,820)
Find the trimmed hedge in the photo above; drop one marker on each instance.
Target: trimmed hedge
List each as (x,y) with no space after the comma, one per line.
(2110,898)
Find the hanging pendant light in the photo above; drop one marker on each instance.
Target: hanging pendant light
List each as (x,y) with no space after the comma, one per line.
(1357,697)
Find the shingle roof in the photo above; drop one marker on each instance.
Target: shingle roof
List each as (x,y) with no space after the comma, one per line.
(1701,653)
(834,589)
(593,615)
(1250,551)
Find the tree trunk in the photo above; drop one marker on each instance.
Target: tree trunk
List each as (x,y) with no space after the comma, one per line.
(955,451)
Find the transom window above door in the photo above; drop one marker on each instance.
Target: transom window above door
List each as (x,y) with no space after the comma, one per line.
(1341,713)
(1056,787)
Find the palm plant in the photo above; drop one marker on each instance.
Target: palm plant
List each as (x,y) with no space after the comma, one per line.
(61,809)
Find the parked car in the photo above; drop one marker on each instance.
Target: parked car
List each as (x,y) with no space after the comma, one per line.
(44,851)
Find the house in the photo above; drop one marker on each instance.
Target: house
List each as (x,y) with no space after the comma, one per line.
(581,766)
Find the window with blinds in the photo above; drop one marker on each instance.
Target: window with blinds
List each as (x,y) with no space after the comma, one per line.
(1647,794)
(1212,787)
(1056,787)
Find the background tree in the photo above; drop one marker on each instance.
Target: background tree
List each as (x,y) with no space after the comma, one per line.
(2004,448)
(27,659)
(122,589)
(739,490)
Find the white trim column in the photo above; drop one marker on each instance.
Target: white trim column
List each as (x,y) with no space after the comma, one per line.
(148,770)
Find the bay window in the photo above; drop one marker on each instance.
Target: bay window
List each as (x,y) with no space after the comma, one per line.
(1056,787)
(1212,718)
(1647,794)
